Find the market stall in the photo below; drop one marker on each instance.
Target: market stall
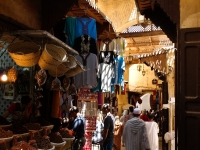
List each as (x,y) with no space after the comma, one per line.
(27,57)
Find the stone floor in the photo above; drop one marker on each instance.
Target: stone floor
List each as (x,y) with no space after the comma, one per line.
(124,148)
(160,144)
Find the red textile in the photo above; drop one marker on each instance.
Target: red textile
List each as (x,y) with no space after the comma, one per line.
(144,117)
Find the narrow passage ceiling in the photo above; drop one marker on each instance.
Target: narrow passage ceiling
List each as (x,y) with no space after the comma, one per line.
(125,21)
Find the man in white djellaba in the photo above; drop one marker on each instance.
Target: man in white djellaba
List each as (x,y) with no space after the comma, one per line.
(152,132)
(135,134)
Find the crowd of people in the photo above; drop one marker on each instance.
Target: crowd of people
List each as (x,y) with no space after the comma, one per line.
(134,129)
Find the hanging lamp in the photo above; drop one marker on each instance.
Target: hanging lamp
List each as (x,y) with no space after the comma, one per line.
(143,71)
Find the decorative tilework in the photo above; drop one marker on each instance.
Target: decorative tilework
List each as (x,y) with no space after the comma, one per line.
(5,62)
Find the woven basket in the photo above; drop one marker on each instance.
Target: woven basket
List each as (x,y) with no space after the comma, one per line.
(57,71)
(61,69)
(74,71)
(24,54)
(52,56)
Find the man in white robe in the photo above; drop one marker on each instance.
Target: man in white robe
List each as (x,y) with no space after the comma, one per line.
(135,135)
(152,132)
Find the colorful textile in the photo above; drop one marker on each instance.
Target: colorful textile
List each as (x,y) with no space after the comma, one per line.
(86,26)
(119,69)
(70,30)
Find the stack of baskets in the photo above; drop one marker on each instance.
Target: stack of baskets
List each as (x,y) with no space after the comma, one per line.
(53,58)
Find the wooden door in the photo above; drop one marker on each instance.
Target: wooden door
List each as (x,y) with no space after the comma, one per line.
(188,90)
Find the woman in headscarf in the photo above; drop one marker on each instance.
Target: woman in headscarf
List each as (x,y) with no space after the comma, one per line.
(122,118)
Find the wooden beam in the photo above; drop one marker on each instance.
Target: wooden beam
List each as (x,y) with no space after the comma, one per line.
(53,11)
(89,11)
(141,34)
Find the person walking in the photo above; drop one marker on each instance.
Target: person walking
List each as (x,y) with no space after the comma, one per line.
(108,133)
(131,108)
(118,130)
(135,134)
(152,132)
(78,130)
(97,134)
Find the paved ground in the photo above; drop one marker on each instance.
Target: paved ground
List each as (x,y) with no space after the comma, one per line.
(124,148)
(160,144)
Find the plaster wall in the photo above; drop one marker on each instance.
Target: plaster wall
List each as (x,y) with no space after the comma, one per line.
(138,82)
(123,99)
(27,13)
(189,13)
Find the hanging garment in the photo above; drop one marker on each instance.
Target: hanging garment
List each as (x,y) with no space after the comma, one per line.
(88,77)
(106,57)
(100,98)
(105,73)
(85,43)
(119,69)
(86,26)
(56,112)
(70,30)
(102,46)
(120,44)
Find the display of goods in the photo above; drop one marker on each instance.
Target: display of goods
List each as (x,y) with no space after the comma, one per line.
(61,69)
(22,145)
(24,54)
(38,104)
(52,56)
(76,70)
(56,85)
(66,83)
(55,137)
(18,128)
(65,133)
(43,142)
(3,121)
(3,145)
(90,123)
(38,96)
(41,77)
(72,90)
(12,75)
(5,134)
(33,126)
(33,143)
(88,135)
(43,122)
(49,82)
